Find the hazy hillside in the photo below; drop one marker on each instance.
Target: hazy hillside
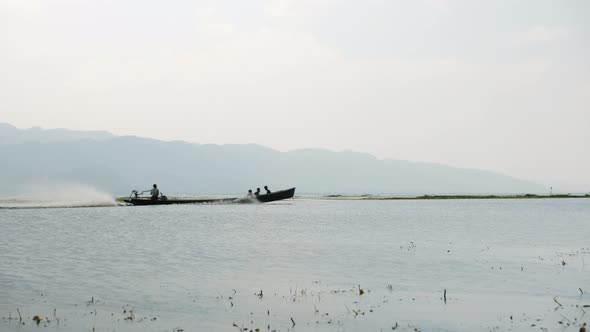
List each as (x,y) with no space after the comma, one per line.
(120,164)
(11,135)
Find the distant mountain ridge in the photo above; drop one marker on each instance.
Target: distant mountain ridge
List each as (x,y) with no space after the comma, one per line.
(11,135)
(118,164)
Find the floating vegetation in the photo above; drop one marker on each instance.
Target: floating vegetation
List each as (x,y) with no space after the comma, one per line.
(355,305)
(318,304)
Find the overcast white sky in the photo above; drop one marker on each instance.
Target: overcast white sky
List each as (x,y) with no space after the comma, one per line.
(496,85)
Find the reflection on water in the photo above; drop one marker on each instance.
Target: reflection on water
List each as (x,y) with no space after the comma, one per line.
(504,264)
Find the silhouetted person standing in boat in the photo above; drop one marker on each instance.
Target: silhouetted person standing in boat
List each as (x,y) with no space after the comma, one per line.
(155,192)
(267,190)
(257,192)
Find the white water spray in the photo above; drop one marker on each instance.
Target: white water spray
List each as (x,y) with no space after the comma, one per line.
(58,195)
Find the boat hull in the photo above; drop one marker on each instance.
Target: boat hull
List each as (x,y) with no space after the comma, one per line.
(147,201)
(276,196)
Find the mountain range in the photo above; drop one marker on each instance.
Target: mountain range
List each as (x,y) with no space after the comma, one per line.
(118,164)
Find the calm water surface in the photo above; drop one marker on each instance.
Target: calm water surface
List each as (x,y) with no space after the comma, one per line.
(503,263)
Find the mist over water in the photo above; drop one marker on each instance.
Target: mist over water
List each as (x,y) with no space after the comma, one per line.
(54,195)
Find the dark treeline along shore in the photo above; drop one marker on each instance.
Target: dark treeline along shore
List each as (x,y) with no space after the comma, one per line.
(431,197)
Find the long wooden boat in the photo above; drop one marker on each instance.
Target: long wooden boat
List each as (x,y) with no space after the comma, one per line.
(265,198)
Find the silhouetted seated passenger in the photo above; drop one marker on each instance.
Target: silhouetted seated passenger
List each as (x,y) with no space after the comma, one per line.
(257,192)
(267,190)
(155,192)
(250,193)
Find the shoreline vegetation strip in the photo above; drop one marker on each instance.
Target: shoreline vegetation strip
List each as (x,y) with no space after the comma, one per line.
(432,197)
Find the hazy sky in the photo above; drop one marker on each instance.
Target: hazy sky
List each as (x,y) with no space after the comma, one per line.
(497,85)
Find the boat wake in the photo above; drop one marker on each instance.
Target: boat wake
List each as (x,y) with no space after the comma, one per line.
(58,196)
(245,200)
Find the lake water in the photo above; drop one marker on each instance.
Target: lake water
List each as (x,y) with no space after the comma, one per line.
(505,265)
